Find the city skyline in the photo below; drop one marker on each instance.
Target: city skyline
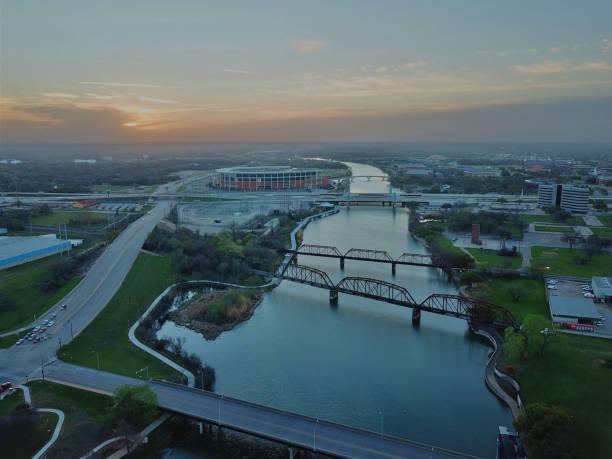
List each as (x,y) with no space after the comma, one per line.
(285,71)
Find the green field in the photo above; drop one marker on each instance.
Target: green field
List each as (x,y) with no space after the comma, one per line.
(490,258)
(108,333)
(555,229)
(446,244)
(605,219)
(85,218)
(531,301)
(31,302)
(602,231)
(531,218)
(571,374)
(566,262)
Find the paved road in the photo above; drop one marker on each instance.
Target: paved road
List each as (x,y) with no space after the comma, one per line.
(287,428)
(85,301)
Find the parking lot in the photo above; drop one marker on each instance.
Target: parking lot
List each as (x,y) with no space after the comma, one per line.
(574,289)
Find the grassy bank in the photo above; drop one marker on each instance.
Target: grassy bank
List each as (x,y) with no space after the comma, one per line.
(566,262)
(82,429)
(532,298)
(446,244)
(490,258)
(9,340)
(555,229)
(108,333)
(571,374)
(80,218)
(602,231)
(30,301)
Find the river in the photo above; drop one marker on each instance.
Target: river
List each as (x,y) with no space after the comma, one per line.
(362,363)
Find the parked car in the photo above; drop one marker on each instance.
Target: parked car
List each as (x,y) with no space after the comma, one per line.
(5,386)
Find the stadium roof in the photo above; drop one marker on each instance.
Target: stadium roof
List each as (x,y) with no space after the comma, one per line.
(264,169)
(570,306)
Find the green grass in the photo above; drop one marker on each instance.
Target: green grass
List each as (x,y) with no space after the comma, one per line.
(531,218)
(490,258)
(569,375)
(86,218)
(8,341)
(602,232)
(446,244)
(566,262)
(108,333)
(82,429)
(555,229)
(30,300)
(10,402)
(605,219)
(532,300)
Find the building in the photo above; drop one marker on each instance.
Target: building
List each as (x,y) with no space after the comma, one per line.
(570,309)
(602,288)
(479,172)
(571,198)
(21,249)
(269,178)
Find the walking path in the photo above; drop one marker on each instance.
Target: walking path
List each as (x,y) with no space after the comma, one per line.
(60,414)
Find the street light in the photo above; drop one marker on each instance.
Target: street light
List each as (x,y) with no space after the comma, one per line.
(97,358)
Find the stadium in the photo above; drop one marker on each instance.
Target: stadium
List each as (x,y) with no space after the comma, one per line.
(269,178)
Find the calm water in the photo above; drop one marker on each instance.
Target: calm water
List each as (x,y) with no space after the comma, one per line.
(361,363)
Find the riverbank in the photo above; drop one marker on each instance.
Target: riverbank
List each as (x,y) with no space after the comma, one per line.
(213,313)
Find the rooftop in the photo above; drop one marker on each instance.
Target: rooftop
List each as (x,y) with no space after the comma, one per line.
(568,306)
(602,286)
(12,246)
(264,169)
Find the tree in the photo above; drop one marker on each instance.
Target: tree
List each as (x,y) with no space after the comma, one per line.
(133,407)
(469,278)
(530,339)
(571,239)
(547,430)
(515,292)
(593,245)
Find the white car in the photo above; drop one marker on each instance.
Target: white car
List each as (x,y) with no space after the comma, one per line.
(552,287)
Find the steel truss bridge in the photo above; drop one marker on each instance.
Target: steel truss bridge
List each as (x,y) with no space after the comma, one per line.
(377,256)
(470,309)
(383,178)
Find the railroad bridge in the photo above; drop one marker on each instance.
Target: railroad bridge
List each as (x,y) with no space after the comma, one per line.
(376,256)
(470,309)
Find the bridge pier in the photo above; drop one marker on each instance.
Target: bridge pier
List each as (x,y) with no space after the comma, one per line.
(291,453)
(294,260)
(416,316)
(333,297)
(341,262)
(393,266)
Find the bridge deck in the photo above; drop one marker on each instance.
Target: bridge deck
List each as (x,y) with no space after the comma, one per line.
(281,426)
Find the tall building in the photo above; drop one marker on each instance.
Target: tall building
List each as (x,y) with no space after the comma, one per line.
(571,198)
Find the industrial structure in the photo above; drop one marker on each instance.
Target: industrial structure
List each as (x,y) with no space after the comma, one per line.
(602,288)
(569,309)
(21,249)
(269,178)
(571,198)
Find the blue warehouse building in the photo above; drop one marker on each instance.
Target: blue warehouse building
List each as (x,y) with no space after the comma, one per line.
(17,250)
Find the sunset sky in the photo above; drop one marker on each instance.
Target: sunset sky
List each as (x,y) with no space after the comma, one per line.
(123,71)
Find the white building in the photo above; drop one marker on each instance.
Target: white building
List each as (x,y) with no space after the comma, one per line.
(571,198)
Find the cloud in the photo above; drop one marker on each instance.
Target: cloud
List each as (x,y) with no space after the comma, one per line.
(606,46)
(554,50)
(502,53)
(564,66)
(59,95)
(242,72)
(123,85)
(414,65)
(307,45)
(532,51)
(381,69)
(159,101)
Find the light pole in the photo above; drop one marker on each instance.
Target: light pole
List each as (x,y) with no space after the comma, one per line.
(382,420)
(97,358)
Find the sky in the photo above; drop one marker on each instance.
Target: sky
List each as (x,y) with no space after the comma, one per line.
(239,71)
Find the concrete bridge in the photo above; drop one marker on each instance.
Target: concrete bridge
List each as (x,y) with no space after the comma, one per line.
(462,307)
(293,430)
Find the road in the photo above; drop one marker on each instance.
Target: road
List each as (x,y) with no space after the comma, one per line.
(288,428)
(85,301)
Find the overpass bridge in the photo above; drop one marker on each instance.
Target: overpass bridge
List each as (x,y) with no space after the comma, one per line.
(459,306)
(291,429)
(376,256)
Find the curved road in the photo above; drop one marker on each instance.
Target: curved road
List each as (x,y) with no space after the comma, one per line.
(85,301)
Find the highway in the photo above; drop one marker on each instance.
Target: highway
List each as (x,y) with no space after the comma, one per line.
(85,301)
(287,428)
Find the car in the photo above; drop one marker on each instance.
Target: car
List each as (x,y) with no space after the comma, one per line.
(42,330)
(5,386)
(51,323)
(30,338)
(19,341)
(36,328)
(53,316)
(552,287)
(37,339)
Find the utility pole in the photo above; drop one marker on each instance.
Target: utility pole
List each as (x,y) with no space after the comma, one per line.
(42,368)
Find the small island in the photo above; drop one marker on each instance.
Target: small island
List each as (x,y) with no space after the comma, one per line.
(212,313)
